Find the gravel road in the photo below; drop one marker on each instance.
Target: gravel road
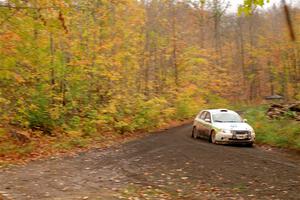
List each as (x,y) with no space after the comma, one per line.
(165,165)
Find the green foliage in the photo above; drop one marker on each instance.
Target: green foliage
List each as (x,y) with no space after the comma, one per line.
(250,4)
(89,127)
(70,143)
(2,133)
(9,147)
(77,142)
(138,114)
(36,112)
(75,122)
(282,132)
(186,107)
(216,101)
(150,113)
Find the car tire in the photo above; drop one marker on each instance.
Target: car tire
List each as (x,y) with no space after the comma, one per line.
(194,133)
(212,138)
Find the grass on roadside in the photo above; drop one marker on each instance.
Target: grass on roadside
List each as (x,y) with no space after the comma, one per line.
(283,132)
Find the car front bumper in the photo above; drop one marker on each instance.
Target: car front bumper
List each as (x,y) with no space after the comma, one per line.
(236,142)
(225,138)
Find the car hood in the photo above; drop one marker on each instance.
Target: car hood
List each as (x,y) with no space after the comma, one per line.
(233,126)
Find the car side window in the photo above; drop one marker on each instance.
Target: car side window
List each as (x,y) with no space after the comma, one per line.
(207,116)
(202,116)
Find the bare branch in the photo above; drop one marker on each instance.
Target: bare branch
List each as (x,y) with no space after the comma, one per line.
(289,20)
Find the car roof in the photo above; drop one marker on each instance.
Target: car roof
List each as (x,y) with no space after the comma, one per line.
(215,111)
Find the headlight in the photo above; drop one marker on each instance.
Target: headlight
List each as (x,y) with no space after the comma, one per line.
(249,134)
(252,131)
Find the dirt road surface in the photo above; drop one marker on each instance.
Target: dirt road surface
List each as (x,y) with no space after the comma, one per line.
(166,165)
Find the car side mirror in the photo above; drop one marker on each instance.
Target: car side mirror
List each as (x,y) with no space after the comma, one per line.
(207,120)
(245,120)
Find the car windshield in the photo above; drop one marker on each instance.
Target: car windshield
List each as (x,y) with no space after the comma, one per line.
(227,117)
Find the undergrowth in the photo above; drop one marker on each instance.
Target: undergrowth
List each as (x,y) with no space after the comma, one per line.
(283,132)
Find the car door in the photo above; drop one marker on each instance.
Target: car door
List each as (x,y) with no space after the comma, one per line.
(200,124)
(207,125)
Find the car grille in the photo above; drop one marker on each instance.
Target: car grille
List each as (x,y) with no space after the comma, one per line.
(241,132)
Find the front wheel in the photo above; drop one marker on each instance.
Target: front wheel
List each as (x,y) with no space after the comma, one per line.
(212,138)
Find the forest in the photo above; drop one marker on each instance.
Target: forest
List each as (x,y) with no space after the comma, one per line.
(78,68)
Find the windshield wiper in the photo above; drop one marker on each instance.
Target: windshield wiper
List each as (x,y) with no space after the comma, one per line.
(219,121)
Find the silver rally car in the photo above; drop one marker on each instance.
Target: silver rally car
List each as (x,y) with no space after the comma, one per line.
(222,126)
